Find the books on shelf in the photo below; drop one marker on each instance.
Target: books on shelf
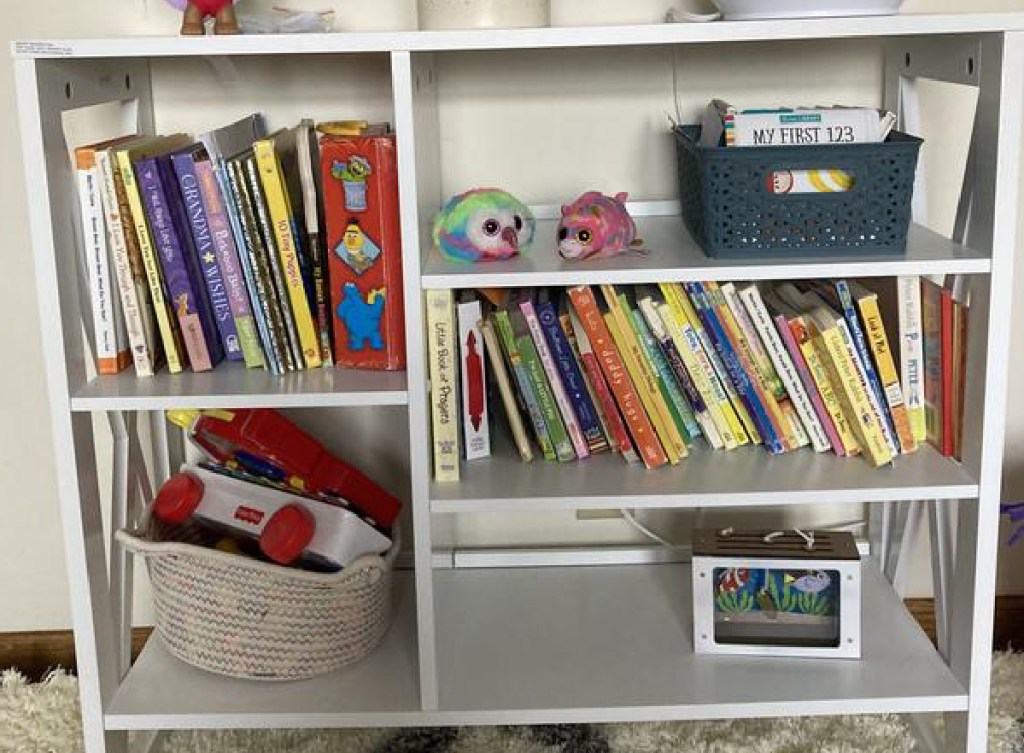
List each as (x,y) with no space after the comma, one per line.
(216,248)
(650,373)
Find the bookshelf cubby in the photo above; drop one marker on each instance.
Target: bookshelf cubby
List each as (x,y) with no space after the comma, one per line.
(490,641)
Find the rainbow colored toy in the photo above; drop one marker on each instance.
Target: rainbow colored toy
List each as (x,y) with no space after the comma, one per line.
(596,226)
(484,224)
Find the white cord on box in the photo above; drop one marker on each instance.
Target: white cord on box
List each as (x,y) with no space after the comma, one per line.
(808,537)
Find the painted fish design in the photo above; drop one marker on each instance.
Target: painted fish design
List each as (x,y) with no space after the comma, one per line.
(734,579)
(812,583)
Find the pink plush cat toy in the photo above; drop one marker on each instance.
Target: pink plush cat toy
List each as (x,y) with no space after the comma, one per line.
(596,226)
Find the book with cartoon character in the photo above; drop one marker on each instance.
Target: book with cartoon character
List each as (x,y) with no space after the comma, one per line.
(360,197)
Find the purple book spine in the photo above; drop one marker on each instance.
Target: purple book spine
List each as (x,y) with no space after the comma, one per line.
(187,248)
(782,325)
(172,264)
(209,266)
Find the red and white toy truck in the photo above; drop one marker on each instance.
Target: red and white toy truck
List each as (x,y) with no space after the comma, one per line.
(287,527)
(264,443)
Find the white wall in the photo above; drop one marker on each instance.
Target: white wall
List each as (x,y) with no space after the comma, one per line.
(619,144)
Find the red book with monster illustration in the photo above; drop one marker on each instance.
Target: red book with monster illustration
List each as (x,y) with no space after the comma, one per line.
(360,191)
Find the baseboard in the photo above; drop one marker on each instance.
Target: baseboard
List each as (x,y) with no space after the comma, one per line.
(35,653)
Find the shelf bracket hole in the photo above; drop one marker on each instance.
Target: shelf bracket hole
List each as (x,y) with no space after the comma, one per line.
(906,60)
(128,81)
(67,90)
(970,66)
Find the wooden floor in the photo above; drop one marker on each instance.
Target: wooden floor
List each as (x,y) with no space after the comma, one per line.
(35,653)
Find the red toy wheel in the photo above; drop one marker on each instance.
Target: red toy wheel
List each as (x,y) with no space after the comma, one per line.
(287,534)
(178,498)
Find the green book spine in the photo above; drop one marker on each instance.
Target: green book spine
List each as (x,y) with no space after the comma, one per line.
(678,406)
(539,381)
(515,359)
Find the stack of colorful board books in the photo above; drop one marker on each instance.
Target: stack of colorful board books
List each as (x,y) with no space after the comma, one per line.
(277,250)
(647,371)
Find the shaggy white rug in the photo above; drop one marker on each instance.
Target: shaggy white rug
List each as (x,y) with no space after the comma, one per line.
(43,718)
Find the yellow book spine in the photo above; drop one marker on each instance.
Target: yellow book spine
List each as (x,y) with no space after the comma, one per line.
(149,261)
(280,218)
(444,403)
(646,369)
(851,394)
(829,398)
(643,389)
(887,373)
(735,412)
(702,373)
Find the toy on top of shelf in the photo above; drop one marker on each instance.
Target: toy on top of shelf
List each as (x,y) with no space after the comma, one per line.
(484,224)
(289,529)
(264,443)
(193,22)
(596,226)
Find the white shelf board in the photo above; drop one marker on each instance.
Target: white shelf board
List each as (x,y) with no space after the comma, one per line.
(674,255)
(233,385)
(745,476)
(603,644)
(494,39)
(161,692)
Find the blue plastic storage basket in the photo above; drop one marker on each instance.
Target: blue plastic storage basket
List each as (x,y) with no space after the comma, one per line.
(729,209)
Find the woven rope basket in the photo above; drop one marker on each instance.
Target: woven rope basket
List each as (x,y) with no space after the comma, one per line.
(240,617)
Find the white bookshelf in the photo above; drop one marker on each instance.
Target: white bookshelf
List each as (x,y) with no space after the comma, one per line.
(488,643)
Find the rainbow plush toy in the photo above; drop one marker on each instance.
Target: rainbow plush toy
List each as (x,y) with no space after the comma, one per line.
(484,224)
(596,226)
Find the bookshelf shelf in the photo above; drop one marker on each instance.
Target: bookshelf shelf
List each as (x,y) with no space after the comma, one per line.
(590,644)
(235,386)
(161,692)
(475,641)
(674,255)
(567,37)
(747,476)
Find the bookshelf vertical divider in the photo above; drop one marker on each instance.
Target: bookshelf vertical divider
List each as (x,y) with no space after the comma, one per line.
(485,641)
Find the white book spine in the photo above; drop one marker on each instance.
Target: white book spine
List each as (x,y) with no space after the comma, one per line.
(806,127)
(473,371)
(131,305)
(784,366)
(98,270)
(912,351)
(572,425)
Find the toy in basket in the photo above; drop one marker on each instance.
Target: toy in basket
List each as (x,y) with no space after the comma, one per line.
(288,528)
(264,443)
(776,593)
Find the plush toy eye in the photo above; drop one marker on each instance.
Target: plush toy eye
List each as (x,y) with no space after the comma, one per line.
(519,223)
(563,234)
(492,227)
(584,236)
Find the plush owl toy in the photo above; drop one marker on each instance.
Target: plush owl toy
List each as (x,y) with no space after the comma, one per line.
(483,224)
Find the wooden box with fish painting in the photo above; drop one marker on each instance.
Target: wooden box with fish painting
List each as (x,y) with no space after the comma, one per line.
(776,593)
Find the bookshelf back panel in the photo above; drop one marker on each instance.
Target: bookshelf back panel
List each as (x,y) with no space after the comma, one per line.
(196,94)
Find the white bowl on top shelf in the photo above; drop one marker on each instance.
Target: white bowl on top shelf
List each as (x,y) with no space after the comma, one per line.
(484,14)
(760,10)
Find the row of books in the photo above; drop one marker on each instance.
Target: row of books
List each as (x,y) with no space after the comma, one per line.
(647,371)
(277,250)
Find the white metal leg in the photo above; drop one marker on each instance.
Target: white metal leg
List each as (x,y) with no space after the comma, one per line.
(992,225)
(416,117)
(45,89)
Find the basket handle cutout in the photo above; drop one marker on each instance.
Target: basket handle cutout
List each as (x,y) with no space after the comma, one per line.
(809,181)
